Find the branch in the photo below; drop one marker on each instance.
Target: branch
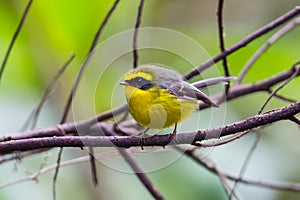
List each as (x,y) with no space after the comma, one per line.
(264,85)
(264,48)
(156,140)
(222,42)
(246,163)
(297,70)
(211,166)
(256,34)
(33,117)
(132,162)
(86,61)
(72,127)
(15,37)
(34,176)
(56,173)
(80,74)
(295,119)
(140,174)
(135,35)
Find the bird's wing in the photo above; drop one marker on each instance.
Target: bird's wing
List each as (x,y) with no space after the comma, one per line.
(184,90)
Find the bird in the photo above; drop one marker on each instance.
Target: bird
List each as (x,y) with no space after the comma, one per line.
(159,98)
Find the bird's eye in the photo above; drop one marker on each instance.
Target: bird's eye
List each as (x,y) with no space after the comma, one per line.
(140,83)
(146,86)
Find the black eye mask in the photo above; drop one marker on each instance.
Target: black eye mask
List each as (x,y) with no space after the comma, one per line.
(140,83)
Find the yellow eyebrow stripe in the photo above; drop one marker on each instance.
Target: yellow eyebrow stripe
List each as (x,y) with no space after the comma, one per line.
(138,74)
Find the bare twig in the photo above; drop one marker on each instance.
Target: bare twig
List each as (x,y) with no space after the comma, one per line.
(135,167)
(246,163)
(251,151)
(80,74)
(135,34)
(86,61)
(93,166)
(56,173)
(224,141)
(297,70)
(67,128)
(44,170)
(19,155)
(225,184)
(210,166)
(295,119)
(289,100)
(256,34)
(264,85)
(222,41)
(140,174)
(100,118)
(35,113)
(264,48)
(12,42)
(283,113)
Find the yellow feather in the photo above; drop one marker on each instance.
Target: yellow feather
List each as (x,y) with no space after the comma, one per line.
(138,74)
(156,108)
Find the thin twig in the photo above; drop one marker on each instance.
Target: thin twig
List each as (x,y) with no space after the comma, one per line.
(264,48)
(223,178)
(210,166)
(132,162)
(67,128)
(251,151)
(44,170)
(86,61)
(245,163)
(93,166)
(295,119)
(56,173)
(12,42)
(222,42)
(279,114)
(297,70)
(135,34)
(217,171)
(289,100)
(254,35)
(20,155)
(35,113)
(226,186)
(140,174)
(98,119)
(224,141)
(80,74)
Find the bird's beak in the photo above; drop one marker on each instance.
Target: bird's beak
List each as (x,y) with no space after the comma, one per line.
(124,83)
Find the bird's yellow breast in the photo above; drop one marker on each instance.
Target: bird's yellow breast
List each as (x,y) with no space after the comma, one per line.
(155,108)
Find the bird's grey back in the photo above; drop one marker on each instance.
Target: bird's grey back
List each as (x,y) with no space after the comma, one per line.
(165,77)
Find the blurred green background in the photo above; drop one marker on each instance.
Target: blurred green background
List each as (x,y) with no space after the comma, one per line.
(54,29)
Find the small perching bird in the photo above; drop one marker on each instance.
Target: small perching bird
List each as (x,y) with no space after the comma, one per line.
(159,98)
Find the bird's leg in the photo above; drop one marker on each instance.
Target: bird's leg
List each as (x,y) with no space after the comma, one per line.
(142,136)
(143,133)
(174,132)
